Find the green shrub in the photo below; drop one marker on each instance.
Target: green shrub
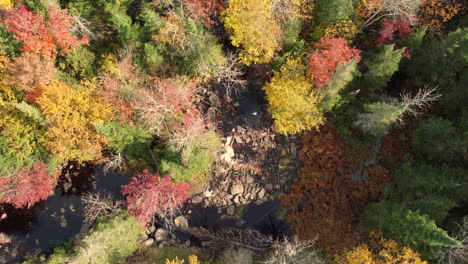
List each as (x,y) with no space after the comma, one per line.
(111,239)
(332,11)
(131,141)
(79,63)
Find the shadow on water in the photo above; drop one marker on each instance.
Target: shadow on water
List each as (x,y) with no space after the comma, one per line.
(52,222)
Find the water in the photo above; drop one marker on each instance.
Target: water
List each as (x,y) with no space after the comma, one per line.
(52,222)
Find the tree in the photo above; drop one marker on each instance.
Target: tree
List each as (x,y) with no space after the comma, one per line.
(374,10)
(29,70)
(204,10)
(381,67)
(148,194)
(343,75)
(331,11)
(293,102)
(27,187)
(293,252)
(111,239)
(22,138)
(380,251)
(431,190)
(71,115)
(129,140)
(434,13)
(7,4)
(379,116)
(328,55)
(253,29)
(410,228)
(437,139)
(40,36)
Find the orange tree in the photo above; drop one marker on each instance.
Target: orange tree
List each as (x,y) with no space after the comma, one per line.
(324,201)
(71,115)
(380,251)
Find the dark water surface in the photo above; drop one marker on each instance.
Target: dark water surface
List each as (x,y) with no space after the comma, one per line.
(52,222)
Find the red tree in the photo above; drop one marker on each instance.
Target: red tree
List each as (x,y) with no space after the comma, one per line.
(148,194)
(330,52)
(43,37)
(204,10)
(27,187)
(389,29)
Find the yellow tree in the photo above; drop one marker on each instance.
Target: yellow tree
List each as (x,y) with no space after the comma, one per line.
(253,28)
(71,115)
(293,103)
(380,251)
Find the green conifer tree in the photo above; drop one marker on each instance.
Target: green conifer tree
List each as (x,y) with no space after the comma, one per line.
(412,229)
(381,67)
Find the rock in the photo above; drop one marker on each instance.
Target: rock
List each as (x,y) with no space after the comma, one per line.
(261,193)
(236,199)
(161,234)
(67,186)
(231,209)
(208,193)
(213,99)
(148,242)
(181,222)
(187,244)
(228,155)
(142,238)
(220,210)
(197,199)
(4,238)
(261,201)
(238,139)
(229,141)
(269,186)
(249,179)
(150,229)
(237,189)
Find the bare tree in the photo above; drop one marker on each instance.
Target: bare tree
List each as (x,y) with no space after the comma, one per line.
(294,252)
(403,9)
(82,26)
(231,75)
(114,162)
(458,255)
(97,204)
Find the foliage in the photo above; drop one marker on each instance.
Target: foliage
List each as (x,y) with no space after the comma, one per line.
(448,50)
(27,186)
(8,44)
(378,118)
(380,251)
(21,138)
(247,22)
(43,37)
(434,13)
(344,29)
(128,33)
(148,194)
(7,4)
(374,10)
(381,67)
(131,141)
(325,202)
(430,190)
(329,54)
(204,10)
(343,75)
(437,139)
(79,63)
(194,164)
(192,259)
(333,11)
(29,70)
(71,115)
(151,255)
(410,228)
(292,99)
(111,239)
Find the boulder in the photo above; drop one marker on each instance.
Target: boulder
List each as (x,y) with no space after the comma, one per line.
(181,222)
(161,234)
(237,189)
(148,242)
(231,209)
